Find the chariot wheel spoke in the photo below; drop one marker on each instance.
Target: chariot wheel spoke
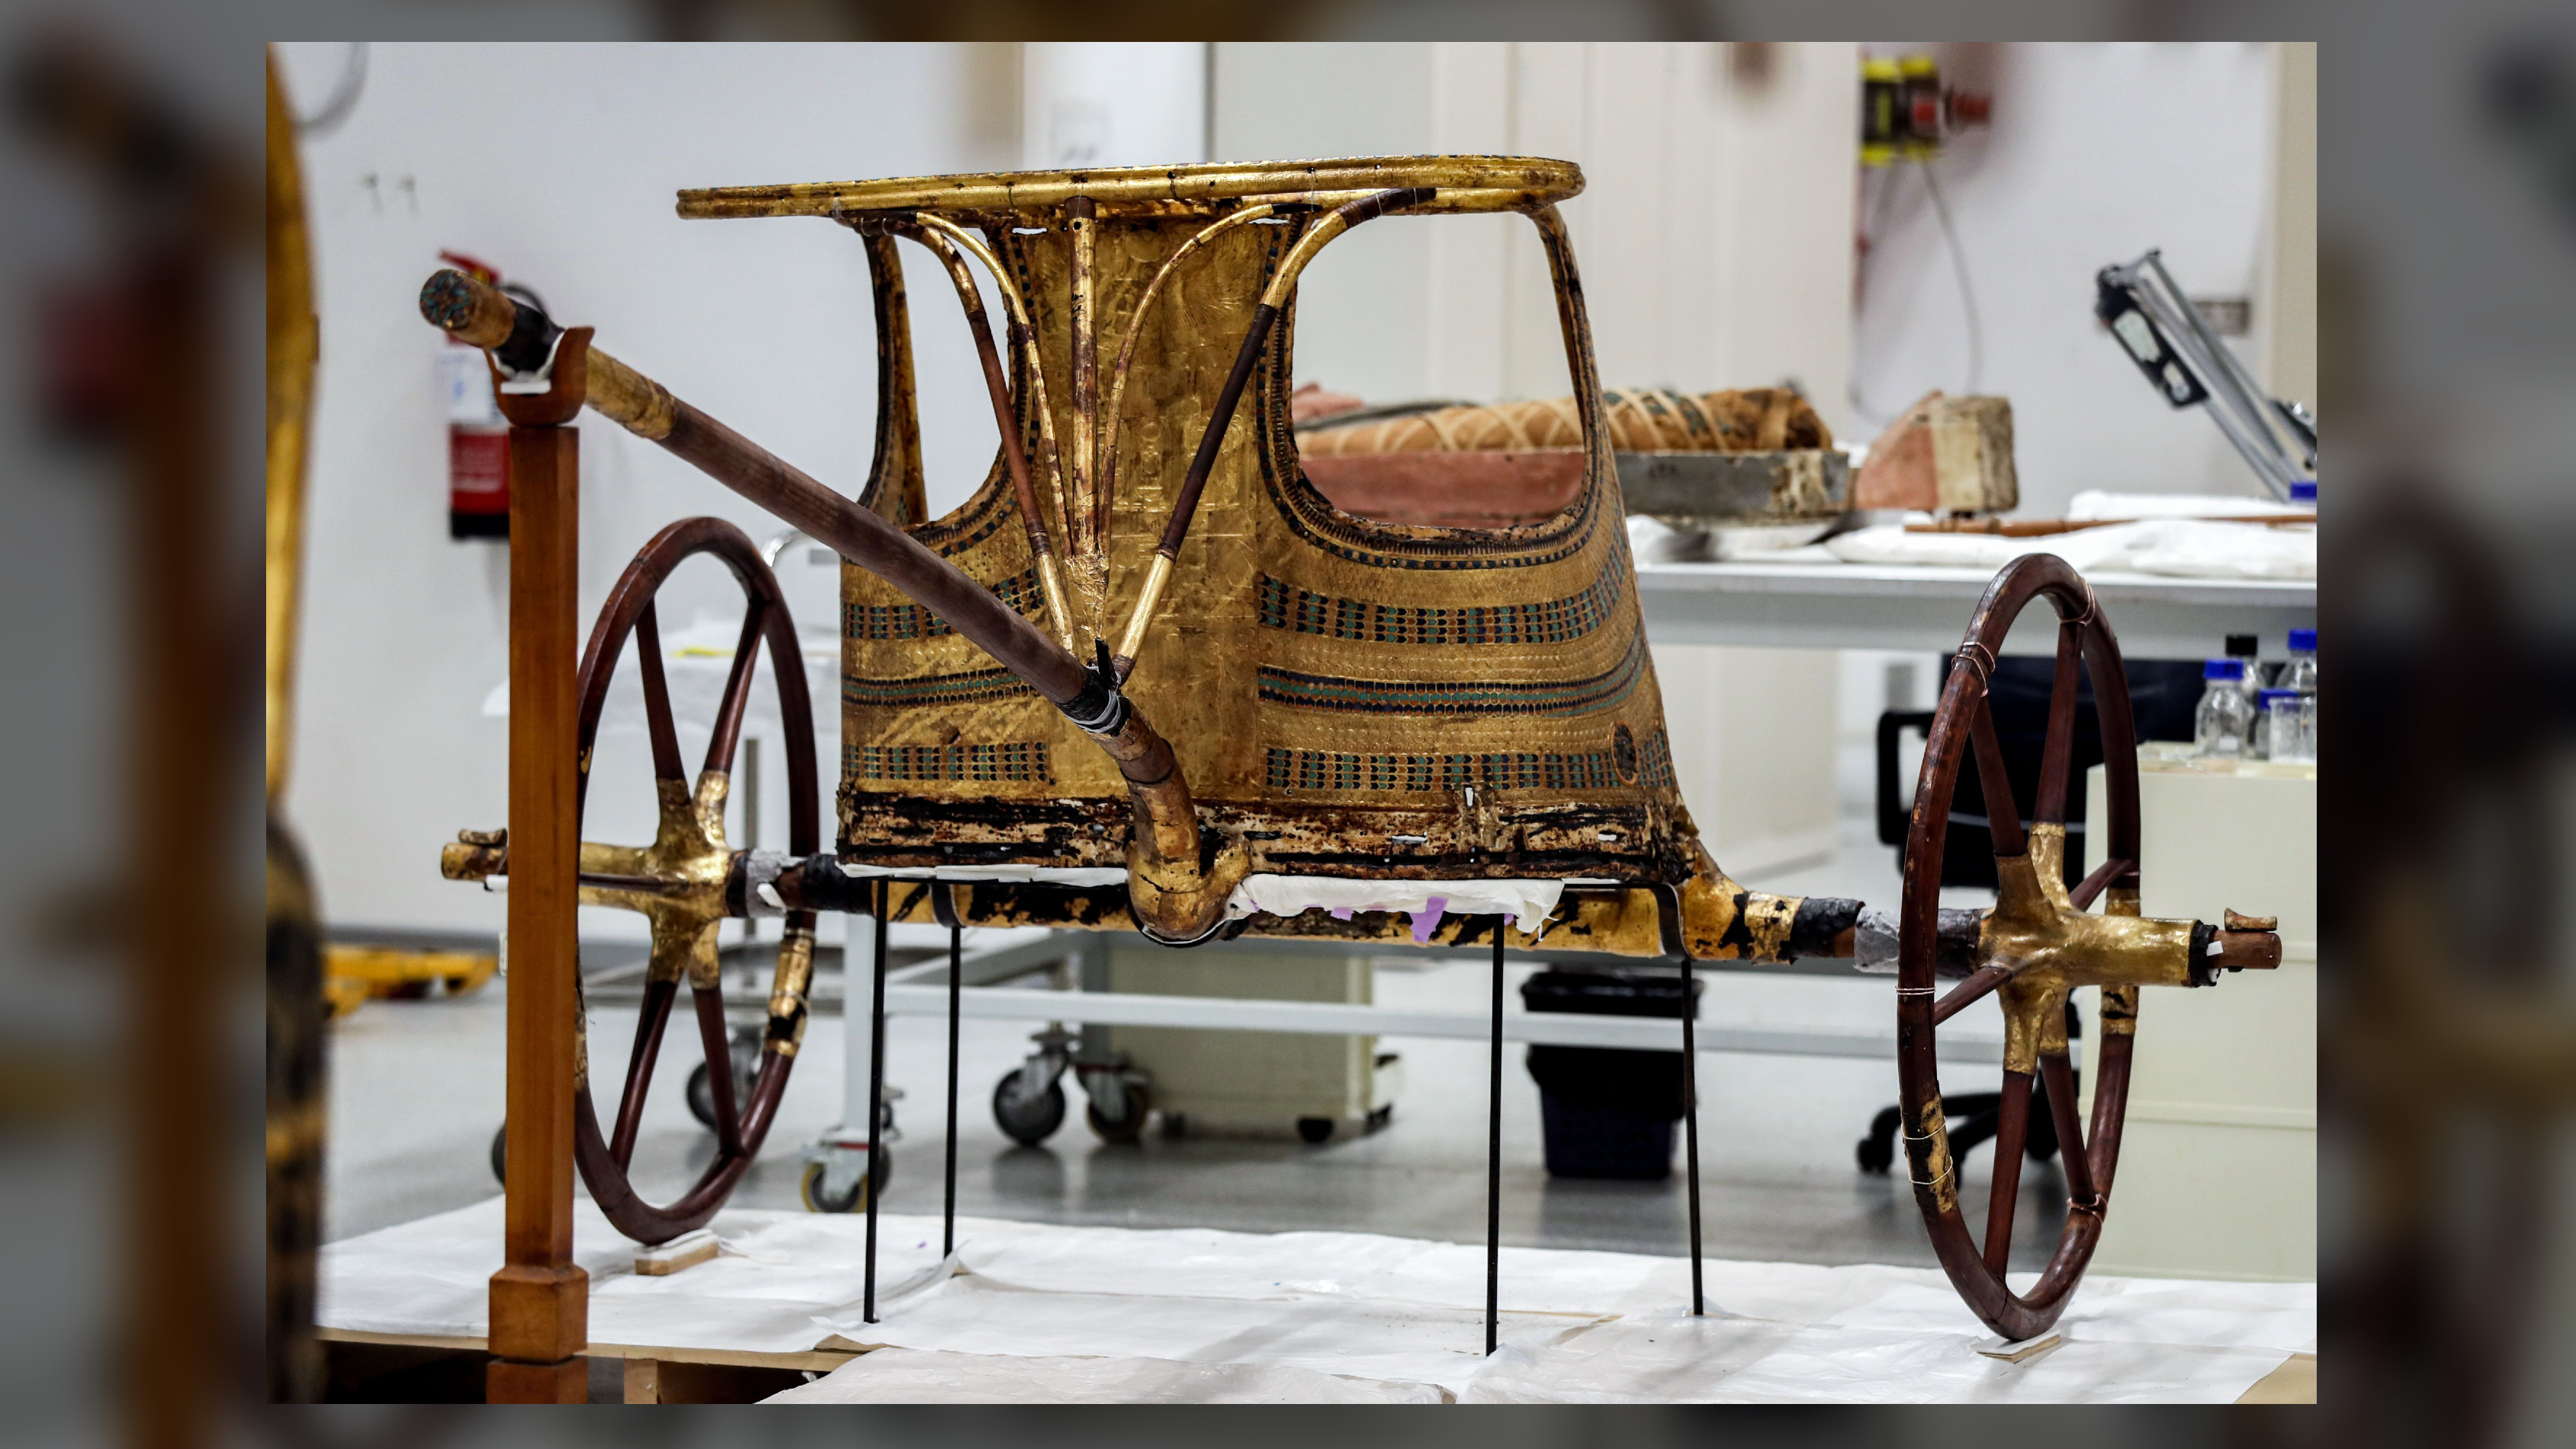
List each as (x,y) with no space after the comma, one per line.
(1979,984)
(639,1068)
(657,698)
(737,689)
(719,1048)
(642,885)
(2092,886)
(2003,817)
(2012,1130)
(2060,1077)
(2057,757)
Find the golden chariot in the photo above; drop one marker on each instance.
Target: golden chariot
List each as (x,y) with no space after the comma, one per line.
(1151,678)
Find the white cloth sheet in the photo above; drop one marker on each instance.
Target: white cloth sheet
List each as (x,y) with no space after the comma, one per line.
(934,1376)
(2176,547)
(2098,503)
(1036,1313)
(1527,902)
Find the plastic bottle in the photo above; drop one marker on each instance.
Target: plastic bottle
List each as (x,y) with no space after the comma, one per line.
(2242,648)
(2225,716)
(2300,675)
(2301,672)
(2279,729)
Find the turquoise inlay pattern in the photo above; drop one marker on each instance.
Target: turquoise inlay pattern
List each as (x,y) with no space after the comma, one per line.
(1016,760)
(982,516)
(1286,769)
(969,687)
(1384,696)
(1657,768)
(911,621)
(1550,621)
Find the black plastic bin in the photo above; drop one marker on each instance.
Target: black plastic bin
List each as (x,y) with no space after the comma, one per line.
(1607,1111)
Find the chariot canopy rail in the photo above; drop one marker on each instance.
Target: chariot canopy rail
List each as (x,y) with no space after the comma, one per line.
(1466,183)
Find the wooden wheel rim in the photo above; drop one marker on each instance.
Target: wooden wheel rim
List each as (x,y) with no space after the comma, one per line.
(629,609)
(2086,642)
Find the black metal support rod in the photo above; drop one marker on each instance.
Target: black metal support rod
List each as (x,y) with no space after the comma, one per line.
(1690,1123)
(876,1101)
(956,971)
(1494,1160)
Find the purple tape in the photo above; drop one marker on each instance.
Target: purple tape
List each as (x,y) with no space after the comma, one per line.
(1427,920)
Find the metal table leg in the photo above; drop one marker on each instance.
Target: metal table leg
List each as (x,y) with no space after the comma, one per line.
(876,1101)
(956,975)
(1690,1122)
(1494,1159)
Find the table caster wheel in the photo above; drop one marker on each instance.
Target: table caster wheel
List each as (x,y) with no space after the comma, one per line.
(1028,1121)
(819,1198)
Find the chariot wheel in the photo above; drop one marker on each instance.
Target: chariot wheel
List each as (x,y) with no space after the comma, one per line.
(678,882)
(2035,948)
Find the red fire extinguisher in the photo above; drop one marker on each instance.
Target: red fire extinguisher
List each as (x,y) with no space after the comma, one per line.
(478,437)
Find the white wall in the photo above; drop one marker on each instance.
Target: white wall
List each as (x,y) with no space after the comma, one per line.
(2097,152)
(559,164)
(1711,254)
(1095,104)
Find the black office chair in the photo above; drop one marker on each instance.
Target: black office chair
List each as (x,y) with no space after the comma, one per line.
(2163,694)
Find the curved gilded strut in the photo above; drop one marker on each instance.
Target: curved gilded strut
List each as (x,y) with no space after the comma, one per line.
(1024,337)
(1015,457)
(1274,299)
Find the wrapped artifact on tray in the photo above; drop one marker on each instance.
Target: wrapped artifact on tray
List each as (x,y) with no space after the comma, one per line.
(1757,457)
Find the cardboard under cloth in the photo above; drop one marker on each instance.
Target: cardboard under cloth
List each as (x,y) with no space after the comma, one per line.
(1041,1313)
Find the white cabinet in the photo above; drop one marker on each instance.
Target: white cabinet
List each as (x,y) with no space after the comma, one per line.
(2218,1163)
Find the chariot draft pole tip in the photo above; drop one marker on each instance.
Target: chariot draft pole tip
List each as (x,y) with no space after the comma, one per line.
(466,309)
(519,337)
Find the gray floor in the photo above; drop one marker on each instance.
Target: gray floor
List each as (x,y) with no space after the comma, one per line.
(416,1092)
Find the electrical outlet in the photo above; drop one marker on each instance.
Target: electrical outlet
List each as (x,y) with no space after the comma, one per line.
(2226,316)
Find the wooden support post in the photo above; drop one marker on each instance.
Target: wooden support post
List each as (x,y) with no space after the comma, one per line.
(540,1303)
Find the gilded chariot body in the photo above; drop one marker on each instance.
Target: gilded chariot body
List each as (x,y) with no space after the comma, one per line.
(1150,677)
